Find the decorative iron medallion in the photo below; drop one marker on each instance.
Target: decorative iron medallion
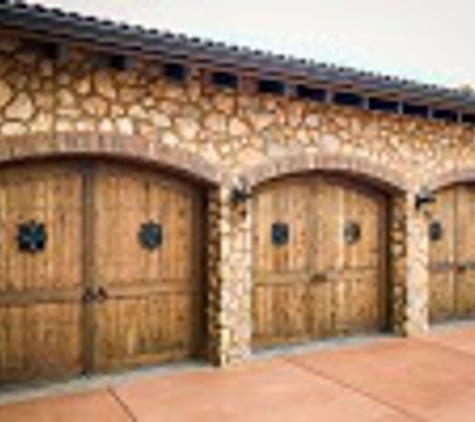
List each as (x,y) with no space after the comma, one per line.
(280,233)
(150,235)
(31,237)
(352,232)
(436,231)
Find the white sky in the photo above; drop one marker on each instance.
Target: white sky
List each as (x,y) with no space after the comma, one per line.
(427,40)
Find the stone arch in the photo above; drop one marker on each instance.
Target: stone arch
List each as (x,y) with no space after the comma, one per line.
(386,177)
(17,148)
(459,175)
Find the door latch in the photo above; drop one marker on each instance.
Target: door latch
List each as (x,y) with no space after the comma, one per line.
(95,295)
(101,295)
(88,295)
(319,278)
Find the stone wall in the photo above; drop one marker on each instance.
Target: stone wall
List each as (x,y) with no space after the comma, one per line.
(47,108)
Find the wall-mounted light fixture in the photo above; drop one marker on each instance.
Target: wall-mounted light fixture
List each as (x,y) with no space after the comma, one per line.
(240,192)
(424,197)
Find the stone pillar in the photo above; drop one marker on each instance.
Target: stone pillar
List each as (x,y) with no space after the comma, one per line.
(229,275)
(417,288)
(398,262)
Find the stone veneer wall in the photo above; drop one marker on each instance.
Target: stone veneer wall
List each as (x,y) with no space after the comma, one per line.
(47,108)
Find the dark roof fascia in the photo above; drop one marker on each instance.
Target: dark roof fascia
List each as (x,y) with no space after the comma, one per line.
(71,27)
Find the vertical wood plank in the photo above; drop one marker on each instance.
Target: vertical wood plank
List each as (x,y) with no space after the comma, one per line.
(442,258)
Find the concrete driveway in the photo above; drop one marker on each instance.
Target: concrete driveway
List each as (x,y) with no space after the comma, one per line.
(430,378)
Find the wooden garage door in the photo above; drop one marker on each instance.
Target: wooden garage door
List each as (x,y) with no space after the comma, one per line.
(109,273)
(319,260)
(452,254)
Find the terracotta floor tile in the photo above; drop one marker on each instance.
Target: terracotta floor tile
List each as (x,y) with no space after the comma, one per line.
(427,380)
(261,391)
(93,406)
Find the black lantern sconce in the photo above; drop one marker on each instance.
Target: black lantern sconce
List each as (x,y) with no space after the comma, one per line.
(423,198)
(240,192)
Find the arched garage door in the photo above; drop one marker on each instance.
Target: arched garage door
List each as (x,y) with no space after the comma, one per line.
(319,264)
(452,254)
(99,269)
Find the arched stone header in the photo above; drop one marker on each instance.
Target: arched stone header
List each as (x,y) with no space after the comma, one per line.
(459,175)
(16,148)
(386,177)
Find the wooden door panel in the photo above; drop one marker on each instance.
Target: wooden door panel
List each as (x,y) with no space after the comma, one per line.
(465,252)
(325,256)
(43,198)
(327,208)
(40,341)
(452,257)
(285,203)
(152,309)
(465,294)
(320,304)
(40,292)
(442,258)
(145,329)
(279,314)
(364,210)
(441,294)
(360,306)
(281,270)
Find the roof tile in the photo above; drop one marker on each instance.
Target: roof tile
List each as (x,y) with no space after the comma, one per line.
(40,18)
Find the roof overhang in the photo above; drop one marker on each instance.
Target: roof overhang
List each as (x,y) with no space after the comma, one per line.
(59,26)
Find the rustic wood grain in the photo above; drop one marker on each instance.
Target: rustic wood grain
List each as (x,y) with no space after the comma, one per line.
(318,285)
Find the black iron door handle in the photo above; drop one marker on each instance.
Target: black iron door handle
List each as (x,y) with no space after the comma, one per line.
(88,295)
(94,295)
(101,294)
(319,278)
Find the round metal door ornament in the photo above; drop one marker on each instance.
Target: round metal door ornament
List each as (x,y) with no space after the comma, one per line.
(436,231)
(31,237)
(280,233)
(150,235)
(352,232)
